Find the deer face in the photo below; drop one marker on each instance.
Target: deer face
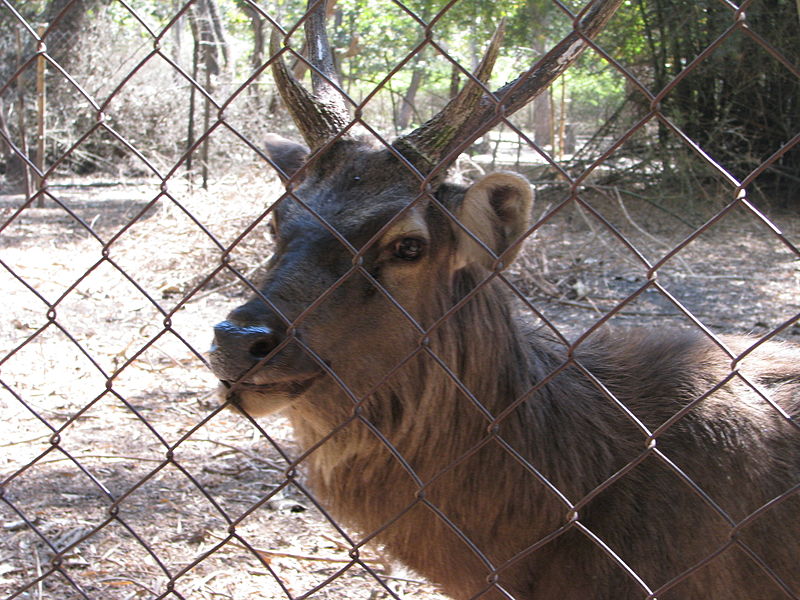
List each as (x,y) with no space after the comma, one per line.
(366,253)
(363,266)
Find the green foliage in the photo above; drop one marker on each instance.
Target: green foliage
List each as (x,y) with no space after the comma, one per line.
(595,91)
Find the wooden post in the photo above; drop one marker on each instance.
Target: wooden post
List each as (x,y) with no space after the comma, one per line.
(23,134)
(206,124)
(192,90)
(41,104)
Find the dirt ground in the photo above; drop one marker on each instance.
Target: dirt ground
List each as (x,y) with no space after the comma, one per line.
(114,456)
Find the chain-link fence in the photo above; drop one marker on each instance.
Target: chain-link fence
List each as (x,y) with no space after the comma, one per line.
(140,208)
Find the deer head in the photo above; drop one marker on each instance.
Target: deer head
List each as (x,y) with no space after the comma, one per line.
(373,245)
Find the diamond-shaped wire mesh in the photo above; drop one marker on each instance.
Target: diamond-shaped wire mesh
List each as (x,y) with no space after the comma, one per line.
(138,208)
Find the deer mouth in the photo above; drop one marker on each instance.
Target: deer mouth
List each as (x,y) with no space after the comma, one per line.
(260,399)
(239,391)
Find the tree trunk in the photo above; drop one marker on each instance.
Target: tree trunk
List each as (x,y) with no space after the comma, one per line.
(259,44)
(408,104)
(67,20)
(218,32)
(16,175)
(542,120)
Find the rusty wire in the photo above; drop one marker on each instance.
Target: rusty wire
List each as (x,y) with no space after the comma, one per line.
(60,578)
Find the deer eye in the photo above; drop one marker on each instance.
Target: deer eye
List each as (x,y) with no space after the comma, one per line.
(409,248)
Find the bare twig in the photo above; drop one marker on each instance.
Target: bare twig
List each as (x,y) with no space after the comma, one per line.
(628,313)
(101,456)
(38,573)
(373,562)
(128,580)
(225,286)
(248,454)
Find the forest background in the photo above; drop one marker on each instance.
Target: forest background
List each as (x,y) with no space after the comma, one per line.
(739,105)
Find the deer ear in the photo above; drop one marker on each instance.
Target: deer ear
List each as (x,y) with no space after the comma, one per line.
(496,210)
(289,156)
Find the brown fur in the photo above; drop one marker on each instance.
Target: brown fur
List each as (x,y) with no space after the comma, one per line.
(465,441)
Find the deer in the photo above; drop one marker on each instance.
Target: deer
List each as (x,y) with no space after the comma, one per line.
(438,421)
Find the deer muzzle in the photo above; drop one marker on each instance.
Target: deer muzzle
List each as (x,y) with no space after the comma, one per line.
(259,360)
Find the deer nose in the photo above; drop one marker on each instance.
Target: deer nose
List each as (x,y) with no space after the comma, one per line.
(254,341)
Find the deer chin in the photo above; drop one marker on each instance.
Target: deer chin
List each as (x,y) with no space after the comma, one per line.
(259,399)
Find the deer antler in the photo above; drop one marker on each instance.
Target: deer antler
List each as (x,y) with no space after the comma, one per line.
(473,112)
(427,144)
(323,115)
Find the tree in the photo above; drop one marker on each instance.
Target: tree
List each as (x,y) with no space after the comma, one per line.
(741,103)
(66,21)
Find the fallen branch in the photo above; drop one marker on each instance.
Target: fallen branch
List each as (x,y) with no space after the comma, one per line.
(248,454)
(267,554)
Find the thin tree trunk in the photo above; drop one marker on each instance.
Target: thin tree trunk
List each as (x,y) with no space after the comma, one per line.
(408,104)
(259,44)
(16,171)
(542,119)
(217,30)
(192,89)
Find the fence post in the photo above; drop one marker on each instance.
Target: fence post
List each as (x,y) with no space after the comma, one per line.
(23,137)
(40,114)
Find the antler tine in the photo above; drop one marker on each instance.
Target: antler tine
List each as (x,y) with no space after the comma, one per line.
(473,112)
(426,145)
(323,115)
